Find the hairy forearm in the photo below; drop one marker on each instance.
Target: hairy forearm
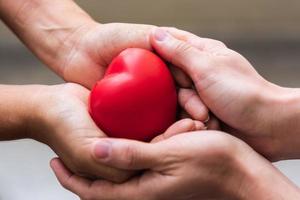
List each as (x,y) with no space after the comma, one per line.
(45,26)
(16,111)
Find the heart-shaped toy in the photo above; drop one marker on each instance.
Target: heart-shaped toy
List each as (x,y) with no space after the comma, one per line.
(137,97)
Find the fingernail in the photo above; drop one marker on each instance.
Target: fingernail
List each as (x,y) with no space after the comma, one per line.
(102,149)
(207,119)
(199,126)
(160,34)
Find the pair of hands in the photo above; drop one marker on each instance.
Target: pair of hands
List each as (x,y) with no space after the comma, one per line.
(230,87)
(187,166)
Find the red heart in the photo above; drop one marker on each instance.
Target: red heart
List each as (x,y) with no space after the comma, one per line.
(137,97)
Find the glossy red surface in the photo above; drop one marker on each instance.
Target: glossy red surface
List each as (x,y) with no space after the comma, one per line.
(137,97)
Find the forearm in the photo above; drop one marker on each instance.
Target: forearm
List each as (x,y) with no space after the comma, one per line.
(16,111)
(263,181)
(256,178)
(281,113)
(45,26)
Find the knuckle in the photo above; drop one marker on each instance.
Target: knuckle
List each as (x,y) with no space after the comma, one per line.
(189,58)
(215,45)
(129,155)
(182,48)
(218,43)
(225,146)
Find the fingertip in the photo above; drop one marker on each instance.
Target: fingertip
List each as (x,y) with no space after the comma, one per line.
(190,125)
(199,126)
(55,163)
(187,124)
(59,169)
(191,102)
(102,149)
(184,125)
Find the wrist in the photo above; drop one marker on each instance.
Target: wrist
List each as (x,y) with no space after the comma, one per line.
(42,121)
(45,26)
(272,126)
(282,109)
(259,179)
(18,111)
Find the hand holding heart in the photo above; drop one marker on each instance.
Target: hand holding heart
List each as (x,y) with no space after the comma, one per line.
(194,165)
(136,99)
(247,105)
(205,164)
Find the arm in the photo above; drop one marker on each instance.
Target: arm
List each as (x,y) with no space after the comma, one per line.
(68,40)
(45,26)
(197,165)
(263,114)
(15,104)
(57,116)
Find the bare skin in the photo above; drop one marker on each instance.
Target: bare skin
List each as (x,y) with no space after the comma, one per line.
(263,114)
(79,50)
(58,116)
(195,165)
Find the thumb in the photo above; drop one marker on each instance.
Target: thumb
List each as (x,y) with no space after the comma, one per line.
(180,127)
(180,53)
(127,154)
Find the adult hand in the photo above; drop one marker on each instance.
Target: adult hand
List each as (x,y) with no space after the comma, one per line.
(196,165)
(250,107)
(62,121)
(68,40)
(91,49)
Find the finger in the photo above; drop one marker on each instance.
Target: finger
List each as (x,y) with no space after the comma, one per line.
(68,180)
(127,154)
(190,101)
(213,123)
(184,115)
(142,187)
(105,172)
(181,54)
(182,126)
(180,77)
(204,44)
(99,189)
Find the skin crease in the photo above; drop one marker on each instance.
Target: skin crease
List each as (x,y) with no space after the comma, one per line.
(59,118)
(224,168)
(248,106)
(67,45)
(78,49)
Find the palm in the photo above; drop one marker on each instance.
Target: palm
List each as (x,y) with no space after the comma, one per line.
(95,46)
(74,132)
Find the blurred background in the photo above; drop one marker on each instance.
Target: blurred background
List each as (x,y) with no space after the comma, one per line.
(266,32)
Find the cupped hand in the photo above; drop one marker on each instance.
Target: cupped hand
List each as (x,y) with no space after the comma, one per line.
(89,49)
(247,105)
(195,165)
(63,122)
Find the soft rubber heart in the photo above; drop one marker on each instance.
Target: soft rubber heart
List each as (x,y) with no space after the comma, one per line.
(137,97)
